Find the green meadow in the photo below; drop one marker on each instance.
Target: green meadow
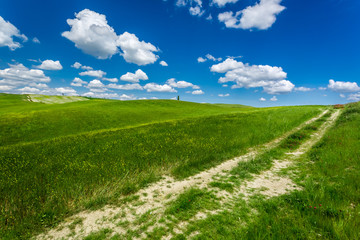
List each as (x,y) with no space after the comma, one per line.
(59,159)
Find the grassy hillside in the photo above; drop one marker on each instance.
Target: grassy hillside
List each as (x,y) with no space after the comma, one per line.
(23,121)
(326,207)
(95,151)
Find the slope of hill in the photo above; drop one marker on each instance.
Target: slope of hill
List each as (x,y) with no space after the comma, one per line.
(58,159)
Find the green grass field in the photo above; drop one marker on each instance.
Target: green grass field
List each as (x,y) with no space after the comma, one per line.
(327,206)
(58,159)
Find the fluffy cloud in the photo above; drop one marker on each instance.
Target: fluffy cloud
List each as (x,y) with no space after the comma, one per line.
(77,82)
(224,95)
(196,11)
(227,65)
(50,65)
(114,80)
(134,77)
(91,33)
(322,88)
(271,79)
(197,92)
(154,87)
(29,90)
(261,16)
(222,3)
(36,40)
(273,99)
(101,95)
(281,87)
(134,86)
(134,51)
(109,96)
(354,97)
(303,89)
(195,6)
(180,84)
(95,84)
(7,34)
(343,86)
(164,64)
(18,75)
(78,65)
(6,88)
(127,97)
(208,57)
(201,59)
(262,99)
(93,73)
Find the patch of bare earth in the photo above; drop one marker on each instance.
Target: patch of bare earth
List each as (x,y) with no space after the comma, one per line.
(153,199)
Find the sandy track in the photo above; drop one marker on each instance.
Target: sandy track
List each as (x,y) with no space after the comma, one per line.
(153,199)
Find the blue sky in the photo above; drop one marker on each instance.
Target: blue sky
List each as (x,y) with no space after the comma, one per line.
(253,52)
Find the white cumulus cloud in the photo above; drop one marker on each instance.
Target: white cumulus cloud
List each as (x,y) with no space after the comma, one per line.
(197,92)
(224,95)
(36,40)
(164,64)
(127,97)
(227,65)
(77,82)
(261,16)
(95,84)
(6,87)
(113,80)
(18,75)
(208,57)
(196,11)
(201,59)
(303,89)
(338,86)
(91,33)
(29,90)
(222,3)
(7,34)
(101,95)
(134,77)
(273,99)
(180,84)
(154,87)
(133,86)
(78,65)
(50,65)
(195,6)
(262,99)
(93,73)
(136,51)
(271,79)
(354,97)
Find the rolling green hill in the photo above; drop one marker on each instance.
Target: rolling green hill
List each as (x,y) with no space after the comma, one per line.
(57,159)
(24,121)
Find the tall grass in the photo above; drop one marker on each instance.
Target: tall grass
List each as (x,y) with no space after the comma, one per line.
(42,182)
(328,207)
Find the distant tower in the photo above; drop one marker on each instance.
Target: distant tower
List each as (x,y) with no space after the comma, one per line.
(178,98)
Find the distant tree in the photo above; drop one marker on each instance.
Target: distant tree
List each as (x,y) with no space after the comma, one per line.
(178,98)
